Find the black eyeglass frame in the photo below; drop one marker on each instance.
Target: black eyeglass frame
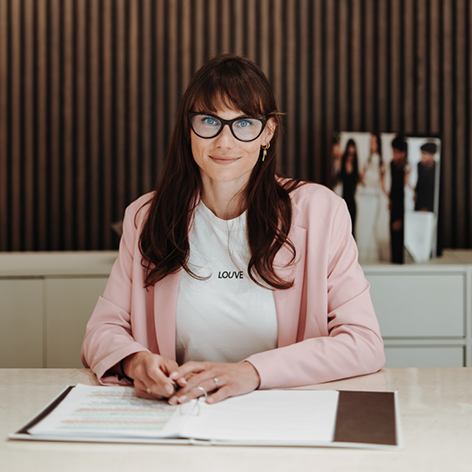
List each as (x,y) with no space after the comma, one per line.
(263,120)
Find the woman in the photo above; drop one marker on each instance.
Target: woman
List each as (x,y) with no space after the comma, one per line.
(246,279)
(372,223)
(349,177)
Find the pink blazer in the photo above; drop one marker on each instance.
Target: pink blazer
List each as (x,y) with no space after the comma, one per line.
(327,328)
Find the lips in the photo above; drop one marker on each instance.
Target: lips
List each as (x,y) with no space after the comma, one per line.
(224,160)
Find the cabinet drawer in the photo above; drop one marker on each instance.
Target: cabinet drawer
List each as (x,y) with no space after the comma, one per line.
(70,303)
(21,323)
(419,305)
(440,356)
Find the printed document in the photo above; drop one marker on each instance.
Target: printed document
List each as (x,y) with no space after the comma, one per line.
(263,416)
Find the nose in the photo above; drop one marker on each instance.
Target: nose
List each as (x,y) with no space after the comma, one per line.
(225,139)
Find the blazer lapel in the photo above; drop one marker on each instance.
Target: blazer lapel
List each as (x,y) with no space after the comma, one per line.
(288,302)
(165,303)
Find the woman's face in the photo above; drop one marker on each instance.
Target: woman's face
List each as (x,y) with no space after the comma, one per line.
(374,145)
(351,152)
(226,159)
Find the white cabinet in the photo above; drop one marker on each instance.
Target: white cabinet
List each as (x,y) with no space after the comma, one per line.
(424,356)
(21,323)
(69,304)
(424,311)
(419,305)
(46,300)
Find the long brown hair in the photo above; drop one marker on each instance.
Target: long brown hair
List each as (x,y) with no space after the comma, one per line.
(237,83)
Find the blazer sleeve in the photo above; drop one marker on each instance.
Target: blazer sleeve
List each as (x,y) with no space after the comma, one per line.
(109,337)
(352,344)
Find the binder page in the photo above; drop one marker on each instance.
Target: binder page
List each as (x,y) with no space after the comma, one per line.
(110,412)
(268,416)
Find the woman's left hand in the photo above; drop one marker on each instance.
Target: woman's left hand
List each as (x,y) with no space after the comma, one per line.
(222,380)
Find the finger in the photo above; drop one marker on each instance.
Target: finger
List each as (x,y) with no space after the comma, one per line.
(220,395)
(191,392)
(142,391)
(158,382)
(185,370)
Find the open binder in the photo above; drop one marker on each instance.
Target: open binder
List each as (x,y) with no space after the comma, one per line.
(292,417)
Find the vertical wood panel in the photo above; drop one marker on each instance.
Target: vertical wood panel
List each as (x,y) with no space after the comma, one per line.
(290,92)
(133,113)
(4,126)
(356,65)
(422,105)
(396,96)
(17,230)
(55,124)
(460,138)
(160,110)
(107,89)
(264,39)
(42,113)
(345,74)
(370,80)
(69,123)
(89,91)
(408,53)
(29,126)
(434,69)
(468,143)
(303,96)
(447,124)
(318,90)
(382,64)
(81,111)
(146,132)
(94,127)
(120,99)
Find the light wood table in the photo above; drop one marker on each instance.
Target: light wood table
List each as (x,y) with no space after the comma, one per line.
(436,417)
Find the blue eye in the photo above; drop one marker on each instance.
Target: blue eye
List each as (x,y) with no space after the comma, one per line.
(244,123)
(210,121)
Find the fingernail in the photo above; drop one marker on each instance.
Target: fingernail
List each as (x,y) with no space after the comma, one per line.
(183,399)
(210,400)
(174,375)
(173,401)
(169,389)
(183,381)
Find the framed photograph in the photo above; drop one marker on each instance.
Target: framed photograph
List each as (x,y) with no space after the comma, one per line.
(391,187)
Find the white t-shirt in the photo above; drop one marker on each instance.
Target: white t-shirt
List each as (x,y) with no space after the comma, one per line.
(226,317)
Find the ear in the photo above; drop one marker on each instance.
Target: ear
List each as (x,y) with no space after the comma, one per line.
(269,130)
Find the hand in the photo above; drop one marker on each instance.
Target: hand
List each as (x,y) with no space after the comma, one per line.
(224,380)
(150,371)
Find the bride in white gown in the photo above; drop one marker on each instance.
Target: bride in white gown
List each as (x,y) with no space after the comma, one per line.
(372,226)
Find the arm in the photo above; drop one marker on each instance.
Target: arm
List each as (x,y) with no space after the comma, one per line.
(117,329)
(337,296)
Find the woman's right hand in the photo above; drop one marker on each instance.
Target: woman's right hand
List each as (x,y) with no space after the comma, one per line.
(150,373)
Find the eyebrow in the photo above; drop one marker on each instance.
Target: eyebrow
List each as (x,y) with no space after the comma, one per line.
(216,116)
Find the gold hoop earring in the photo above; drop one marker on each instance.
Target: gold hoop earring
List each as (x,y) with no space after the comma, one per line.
(264,153)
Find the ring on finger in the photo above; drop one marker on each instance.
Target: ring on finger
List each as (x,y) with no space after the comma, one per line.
(216,381)
(149,391)
(204,391)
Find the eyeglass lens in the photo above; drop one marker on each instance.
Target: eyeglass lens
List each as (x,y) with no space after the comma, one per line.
(244,129)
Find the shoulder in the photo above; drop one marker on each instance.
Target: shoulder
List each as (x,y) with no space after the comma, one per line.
(309,195)
(137,211)
(316,206)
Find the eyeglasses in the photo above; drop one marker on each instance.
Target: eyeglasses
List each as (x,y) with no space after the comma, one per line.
(209,126)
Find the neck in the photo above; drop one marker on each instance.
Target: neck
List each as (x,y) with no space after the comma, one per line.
(224,199)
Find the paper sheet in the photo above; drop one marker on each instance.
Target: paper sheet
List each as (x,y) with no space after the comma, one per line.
(111,411)
(271,416)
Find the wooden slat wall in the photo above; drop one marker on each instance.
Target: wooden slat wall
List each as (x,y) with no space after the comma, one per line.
(89,91)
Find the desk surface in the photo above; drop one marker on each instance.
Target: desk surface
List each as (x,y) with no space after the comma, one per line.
(436,417)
